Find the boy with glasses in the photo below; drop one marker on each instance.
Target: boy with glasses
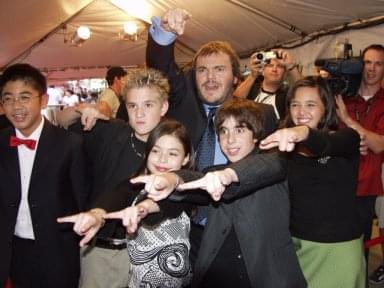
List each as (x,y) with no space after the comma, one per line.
(35,250)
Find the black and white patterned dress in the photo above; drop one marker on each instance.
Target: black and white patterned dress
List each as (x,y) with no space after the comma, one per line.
(160,254)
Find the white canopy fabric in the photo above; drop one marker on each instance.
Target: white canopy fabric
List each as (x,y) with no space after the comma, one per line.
(37,31)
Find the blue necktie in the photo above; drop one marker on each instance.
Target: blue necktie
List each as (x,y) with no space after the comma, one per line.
(205,157)
(205,154)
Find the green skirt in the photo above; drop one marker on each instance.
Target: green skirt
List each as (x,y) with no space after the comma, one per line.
(332,265)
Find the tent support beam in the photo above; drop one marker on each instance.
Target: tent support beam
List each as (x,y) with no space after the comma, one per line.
(268,17)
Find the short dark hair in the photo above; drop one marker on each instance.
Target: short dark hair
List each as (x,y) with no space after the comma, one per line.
(168,126)
(329,121)
(377,47)
(246,112)
(216,47)
(115,71)
(26,73)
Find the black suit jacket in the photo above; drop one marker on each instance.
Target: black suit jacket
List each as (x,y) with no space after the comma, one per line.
(258,209)
(185,104)
(57,188)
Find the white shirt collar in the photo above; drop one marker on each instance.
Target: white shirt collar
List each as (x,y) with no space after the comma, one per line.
(35,134)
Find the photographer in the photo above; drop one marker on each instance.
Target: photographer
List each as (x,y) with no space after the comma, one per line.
(364,113)
(265,83)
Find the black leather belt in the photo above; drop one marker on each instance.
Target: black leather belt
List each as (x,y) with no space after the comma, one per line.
(114,244)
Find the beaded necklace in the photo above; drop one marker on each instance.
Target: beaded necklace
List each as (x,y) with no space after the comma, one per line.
(134,148)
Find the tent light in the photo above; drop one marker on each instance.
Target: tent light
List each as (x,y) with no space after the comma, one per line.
(80,36)
(130,31)
(130,28)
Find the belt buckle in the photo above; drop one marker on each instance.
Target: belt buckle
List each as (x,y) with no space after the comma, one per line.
(116,241)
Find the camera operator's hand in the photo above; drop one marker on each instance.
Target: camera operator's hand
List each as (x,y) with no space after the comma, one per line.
(174,20)
(341,110)
(255,66)
(286,58)
(363,145)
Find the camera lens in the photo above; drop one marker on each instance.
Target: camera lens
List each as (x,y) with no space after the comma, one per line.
(260,56)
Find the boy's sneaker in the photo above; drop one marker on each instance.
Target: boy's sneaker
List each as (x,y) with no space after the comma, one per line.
(377,277)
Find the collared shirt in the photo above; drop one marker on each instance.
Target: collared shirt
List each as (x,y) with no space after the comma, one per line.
(219,156)
(24,228)
(158,34)
(370,114)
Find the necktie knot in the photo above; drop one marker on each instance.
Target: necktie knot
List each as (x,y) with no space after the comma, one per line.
(211,113)
(15,141)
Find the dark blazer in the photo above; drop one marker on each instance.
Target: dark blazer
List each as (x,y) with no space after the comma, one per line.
(185,104)
(57,188)
(258,209)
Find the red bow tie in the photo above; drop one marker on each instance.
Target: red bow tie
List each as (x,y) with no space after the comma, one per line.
(14,142)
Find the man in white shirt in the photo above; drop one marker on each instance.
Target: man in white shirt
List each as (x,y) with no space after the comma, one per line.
(265,84)
(109,100)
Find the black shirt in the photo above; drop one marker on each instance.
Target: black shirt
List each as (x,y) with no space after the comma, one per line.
(323,188)
(114,154)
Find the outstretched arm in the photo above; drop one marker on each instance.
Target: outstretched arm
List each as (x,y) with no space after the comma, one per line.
(132,215)
(88,113)
(238,180)
(86,224)
(214,182)
(285,139)
(158,186)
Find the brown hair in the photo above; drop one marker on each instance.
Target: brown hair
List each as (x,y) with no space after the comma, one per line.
(215,47)
(246,113)
(377,47)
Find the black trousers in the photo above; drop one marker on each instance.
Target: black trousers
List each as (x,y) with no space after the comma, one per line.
(25,268)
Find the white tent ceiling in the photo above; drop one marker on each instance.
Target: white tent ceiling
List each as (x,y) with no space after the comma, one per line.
(35,31)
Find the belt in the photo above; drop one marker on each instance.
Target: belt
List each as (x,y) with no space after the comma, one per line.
(114,244)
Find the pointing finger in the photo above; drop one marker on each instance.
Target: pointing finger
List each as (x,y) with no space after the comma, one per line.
(192,185)
(68,219)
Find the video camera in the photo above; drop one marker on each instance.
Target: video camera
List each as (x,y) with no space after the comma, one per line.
(345,74)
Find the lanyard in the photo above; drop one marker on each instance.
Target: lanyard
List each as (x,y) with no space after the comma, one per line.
(369,103)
